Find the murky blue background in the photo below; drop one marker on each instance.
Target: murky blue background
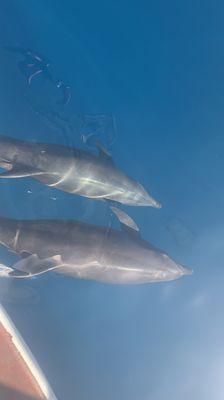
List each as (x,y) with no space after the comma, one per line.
(158,67)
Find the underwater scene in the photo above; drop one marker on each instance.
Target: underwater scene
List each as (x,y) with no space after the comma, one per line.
(111,182)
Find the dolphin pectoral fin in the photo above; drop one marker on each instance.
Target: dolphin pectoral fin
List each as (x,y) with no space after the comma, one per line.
(25,254)
(33,265)
(21,172)
(128,225)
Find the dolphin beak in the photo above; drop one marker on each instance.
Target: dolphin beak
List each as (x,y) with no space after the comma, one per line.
(157,204)
(146,199)
(185,271)
(150,201)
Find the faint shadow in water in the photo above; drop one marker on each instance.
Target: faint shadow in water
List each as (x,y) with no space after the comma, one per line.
(100,127)
(180,232)
(19,293)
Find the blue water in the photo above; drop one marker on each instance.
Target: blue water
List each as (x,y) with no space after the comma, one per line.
(157,68)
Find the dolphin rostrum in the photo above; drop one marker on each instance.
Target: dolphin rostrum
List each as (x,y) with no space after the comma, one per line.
(86,251)
(71,170)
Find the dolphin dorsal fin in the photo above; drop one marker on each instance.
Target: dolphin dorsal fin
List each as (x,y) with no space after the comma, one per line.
(104,153)
(128,225)
(25,254)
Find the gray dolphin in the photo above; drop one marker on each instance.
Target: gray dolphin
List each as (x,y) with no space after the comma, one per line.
(71,170)
(86,251)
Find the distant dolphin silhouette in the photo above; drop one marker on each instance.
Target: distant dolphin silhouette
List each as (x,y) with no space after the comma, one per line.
(86,251)
(71,170)
(34,64)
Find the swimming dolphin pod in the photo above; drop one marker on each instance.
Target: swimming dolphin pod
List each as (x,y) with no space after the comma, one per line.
(74,248)
(70,247)
(71,170)
(86,251)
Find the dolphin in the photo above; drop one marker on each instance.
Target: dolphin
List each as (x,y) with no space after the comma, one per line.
(33,63)
(85,251)
(72,170)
